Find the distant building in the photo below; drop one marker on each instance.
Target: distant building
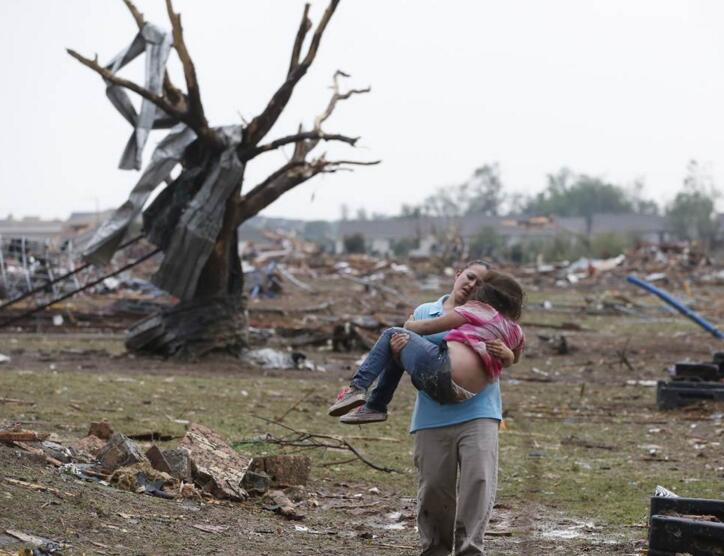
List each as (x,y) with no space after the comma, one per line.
(81,222)
(30,227)
(652,228)
(381,236)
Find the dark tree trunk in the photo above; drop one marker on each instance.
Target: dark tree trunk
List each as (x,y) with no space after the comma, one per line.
(215,318)
(192,329)
(194,220)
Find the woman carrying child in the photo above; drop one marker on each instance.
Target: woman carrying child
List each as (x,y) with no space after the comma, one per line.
(462,365)
(456,445)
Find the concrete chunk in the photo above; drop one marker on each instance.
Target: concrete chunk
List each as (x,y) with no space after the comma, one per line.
(179,462)
(120,451)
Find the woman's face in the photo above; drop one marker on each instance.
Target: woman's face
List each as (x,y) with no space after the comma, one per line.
(466,281)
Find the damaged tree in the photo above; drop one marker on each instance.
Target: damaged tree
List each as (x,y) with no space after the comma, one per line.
(195,217)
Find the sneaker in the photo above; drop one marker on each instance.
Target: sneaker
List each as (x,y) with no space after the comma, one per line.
(348,398)
(362,416)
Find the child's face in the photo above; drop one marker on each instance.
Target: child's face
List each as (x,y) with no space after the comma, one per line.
(466,281)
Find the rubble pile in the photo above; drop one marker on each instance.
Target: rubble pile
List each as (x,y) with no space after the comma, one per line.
(301,298)
(674,263)
(202,466)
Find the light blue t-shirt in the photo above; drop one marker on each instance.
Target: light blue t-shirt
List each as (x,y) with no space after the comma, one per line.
(429,414)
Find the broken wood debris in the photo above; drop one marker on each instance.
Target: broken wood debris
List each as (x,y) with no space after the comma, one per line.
(283,470)
(310,440)
(202,459)
(16,401)
(19,435)
(218,468)
(280,503)
(38,487)
(41,545)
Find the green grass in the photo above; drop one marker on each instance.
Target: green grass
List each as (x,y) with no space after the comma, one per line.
(609,486)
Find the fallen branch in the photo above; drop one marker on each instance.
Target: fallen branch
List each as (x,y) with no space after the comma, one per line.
(311,440)
(13,400)
(22,436)
(293,406)
(40,454)
(338,462)
(623,357)
(36,486)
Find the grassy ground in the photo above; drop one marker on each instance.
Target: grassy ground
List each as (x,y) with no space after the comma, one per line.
(582,447)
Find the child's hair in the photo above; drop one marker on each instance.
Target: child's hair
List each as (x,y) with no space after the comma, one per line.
(502,292)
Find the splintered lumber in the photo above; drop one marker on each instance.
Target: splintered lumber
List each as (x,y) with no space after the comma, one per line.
(38,453)
(283,470)
(31,539)
(218,468)
(22,436)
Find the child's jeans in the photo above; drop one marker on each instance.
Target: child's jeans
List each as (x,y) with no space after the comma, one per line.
(427,364)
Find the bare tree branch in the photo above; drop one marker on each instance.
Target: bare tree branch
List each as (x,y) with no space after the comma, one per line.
(304,28)
(312,440)
(289,176)
(316,135)
(337,96)
(108,75)
(196,109)
(298,169)
(317,37)
(137,15)
(172,93)
(262,123)
(353,162)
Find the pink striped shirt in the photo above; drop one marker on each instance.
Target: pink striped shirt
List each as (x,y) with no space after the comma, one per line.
(484,324)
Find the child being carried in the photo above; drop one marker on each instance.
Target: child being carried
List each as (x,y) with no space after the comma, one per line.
(467,360)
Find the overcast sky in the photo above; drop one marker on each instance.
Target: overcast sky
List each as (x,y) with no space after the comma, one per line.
(622,89)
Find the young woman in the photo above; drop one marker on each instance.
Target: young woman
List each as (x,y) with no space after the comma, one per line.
(452,441)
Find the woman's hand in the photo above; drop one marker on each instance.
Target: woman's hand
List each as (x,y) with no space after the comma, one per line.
(501,351)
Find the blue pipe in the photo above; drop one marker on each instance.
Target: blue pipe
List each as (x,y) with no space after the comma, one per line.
(693,315)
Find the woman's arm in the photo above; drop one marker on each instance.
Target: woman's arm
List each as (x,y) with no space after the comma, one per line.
(438,324)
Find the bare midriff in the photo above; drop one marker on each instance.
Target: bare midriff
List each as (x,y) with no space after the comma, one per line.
(467,368)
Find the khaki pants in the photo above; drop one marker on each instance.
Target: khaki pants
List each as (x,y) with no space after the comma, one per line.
(468,451)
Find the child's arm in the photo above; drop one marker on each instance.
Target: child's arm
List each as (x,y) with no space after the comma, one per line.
(502,352)
(443,323)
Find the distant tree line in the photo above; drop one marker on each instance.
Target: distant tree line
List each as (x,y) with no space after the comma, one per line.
(692,213)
